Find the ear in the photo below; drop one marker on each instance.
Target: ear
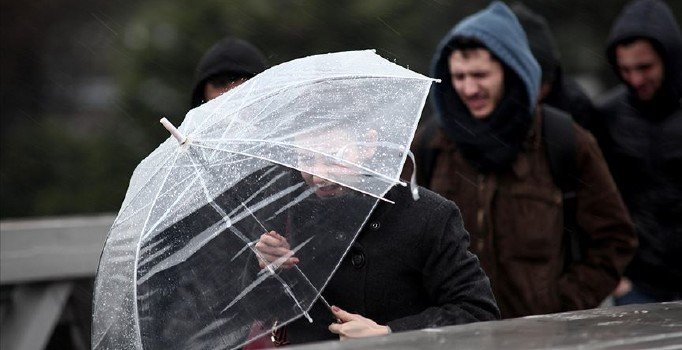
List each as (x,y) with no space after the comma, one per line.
(545,89)
(371,137)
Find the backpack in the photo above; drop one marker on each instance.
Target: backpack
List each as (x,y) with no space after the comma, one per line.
(559,137)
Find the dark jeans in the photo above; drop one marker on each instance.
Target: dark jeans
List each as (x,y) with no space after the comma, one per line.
(638,295)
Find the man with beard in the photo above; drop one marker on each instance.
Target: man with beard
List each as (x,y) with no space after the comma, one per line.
(489,157)
(640,132)
(409,267)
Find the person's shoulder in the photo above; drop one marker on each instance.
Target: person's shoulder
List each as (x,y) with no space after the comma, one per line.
(430,135)
(428,202)
(612,99)
(583,138)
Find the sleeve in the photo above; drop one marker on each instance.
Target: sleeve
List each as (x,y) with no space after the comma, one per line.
(452,277)
(610,234)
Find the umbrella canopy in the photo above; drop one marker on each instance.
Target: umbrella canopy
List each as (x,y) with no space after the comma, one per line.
(305,149)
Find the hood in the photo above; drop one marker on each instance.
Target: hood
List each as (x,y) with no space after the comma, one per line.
(493,143)
(653,20)
(541,41)
(228,56)
(498,28)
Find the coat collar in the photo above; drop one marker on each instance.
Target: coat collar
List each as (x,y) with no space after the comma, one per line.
(520,166)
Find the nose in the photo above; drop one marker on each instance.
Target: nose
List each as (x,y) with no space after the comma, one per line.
(635,78)
(470,87)
(318,169)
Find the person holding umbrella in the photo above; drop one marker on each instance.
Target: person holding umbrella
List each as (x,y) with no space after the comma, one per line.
(408,269)
(311,149)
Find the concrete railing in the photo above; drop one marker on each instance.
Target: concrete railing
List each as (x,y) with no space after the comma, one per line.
(40,261)
(48,249)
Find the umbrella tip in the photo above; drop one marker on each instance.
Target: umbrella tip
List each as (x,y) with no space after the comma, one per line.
(173,130)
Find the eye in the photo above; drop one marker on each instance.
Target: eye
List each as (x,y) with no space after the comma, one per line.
(643,67)
(480,75)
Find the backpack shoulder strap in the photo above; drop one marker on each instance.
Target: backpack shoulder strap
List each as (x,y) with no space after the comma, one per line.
(559,138)
(427,155)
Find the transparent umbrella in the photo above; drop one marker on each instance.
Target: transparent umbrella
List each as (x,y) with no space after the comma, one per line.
(307,149)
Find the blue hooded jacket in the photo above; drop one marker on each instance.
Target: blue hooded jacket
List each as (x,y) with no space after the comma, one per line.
(493,143)
(498,28)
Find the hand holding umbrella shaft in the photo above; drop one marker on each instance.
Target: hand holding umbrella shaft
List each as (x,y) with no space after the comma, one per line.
(355,326)
(273,246)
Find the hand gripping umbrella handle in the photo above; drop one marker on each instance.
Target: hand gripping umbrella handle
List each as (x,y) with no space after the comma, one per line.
(173,130)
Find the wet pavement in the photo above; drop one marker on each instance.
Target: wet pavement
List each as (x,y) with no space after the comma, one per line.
(648,326)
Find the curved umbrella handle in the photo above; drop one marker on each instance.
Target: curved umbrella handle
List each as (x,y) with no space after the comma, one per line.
(173,130)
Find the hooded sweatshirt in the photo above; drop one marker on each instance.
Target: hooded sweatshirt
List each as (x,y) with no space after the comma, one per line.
(491,144)
(231,56)
(642,143)
(652,20)
(565,93)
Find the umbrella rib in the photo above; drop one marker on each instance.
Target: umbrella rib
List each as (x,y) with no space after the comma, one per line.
(214,115)
(149,204)
(137,249)
(222,103)
(149,179)
(245,240)
(290,166)
(164,264)
(233,120)
(298,269)
(262,188)
(305,82)
(270,269)
(292,145)
(227,222)
(180,196)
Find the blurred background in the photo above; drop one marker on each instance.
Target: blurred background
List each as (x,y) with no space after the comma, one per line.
(84,83)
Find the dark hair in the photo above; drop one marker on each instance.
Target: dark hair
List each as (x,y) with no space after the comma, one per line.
(227,60)
(630,40)
(611,51)
(466,44)
(224,79)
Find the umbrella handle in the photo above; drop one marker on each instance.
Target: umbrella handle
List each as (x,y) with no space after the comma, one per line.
(413,179)
(173,130)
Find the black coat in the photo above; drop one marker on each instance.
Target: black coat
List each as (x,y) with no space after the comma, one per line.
(568,96)
(642,143)
(409,268)
(645,158)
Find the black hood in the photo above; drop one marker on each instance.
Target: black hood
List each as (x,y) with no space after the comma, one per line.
(541,41)
(652,20)
(229,56)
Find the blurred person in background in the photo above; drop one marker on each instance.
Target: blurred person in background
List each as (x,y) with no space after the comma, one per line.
(486,152)
(226,65)
(556,89)
(640,131)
